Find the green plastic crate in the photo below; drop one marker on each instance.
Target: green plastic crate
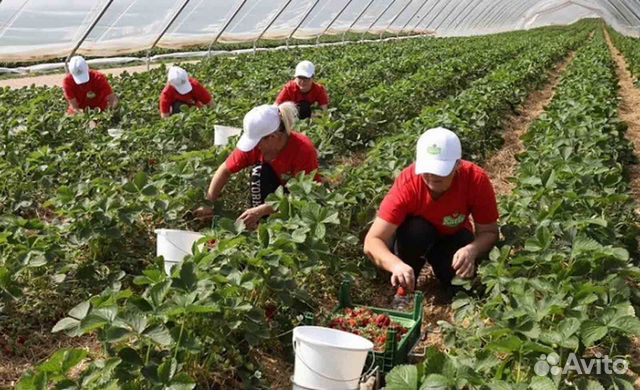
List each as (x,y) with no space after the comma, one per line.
(395,353)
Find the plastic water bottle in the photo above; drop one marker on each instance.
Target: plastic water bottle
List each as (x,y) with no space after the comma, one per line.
(401,301)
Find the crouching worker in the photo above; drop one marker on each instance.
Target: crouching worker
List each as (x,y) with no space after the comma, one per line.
(85,88)
(182,90)
(304,91)
(425,215)
(273,150)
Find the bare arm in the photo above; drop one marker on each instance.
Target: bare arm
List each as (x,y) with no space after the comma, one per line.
(219,180)
(210,104)
(464,260)
(376,247)
(112,101)
(74,104)
(324,107)
(165,115)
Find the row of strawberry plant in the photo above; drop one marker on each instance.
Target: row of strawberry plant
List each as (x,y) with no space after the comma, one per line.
(561,291)
(630,48)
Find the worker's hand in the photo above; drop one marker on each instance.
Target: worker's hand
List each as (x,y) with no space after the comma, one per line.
(464,262)
(203,213)
(402,275)
(252,216)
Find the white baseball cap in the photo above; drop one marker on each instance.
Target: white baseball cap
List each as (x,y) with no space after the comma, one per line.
(179,79)
(79,69)
(305,69)
(437,152)
(259,122)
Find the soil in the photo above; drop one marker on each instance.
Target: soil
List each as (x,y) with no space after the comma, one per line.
(25,354)
(502,166)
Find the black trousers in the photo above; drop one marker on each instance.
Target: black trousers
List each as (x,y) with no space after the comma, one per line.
(418,241)
(176,108)
(304,110)
(263,182)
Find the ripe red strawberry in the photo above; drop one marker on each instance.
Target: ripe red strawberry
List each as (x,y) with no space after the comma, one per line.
(401,291)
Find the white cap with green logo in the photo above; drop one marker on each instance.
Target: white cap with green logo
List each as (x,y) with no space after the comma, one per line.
(437,152)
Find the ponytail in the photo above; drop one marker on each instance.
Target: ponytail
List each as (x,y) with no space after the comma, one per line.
(288,116)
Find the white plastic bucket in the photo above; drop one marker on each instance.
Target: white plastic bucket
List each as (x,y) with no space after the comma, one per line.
(174,245)
(328,359)
(222,133)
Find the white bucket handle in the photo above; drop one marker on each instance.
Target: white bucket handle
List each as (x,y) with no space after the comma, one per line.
(176,246)
(359,378)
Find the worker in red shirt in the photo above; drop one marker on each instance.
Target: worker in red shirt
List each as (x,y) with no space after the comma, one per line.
(84,88)
(273,151)
(303,91)
(182,90)
(425,215)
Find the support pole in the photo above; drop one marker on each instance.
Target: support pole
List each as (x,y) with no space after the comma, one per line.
(469,12)
(397,16)
(356,19)
(436,15)
(333,21)
(86,33)
(379,17)
(227,23)
(412,16)
(425,15)
(165,29)
(270,24)
(449,14)
(304,18)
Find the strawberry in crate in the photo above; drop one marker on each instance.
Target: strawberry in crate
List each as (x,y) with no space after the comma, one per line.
(364,322)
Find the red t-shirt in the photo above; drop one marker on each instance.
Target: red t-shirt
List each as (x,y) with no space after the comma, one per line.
(92,94)
(291,93)
(297,156)
(199,96)
(471,193)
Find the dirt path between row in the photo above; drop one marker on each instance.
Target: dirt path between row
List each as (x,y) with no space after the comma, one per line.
(629,112)
(502,166)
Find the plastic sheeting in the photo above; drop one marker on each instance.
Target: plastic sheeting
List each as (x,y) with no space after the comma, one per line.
(37,29)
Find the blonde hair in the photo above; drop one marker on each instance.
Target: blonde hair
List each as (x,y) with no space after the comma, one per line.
(288,115)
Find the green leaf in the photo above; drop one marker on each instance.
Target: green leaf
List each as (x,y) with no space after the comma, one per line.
(129,355)
(160,335)
(402,377)
(627,324)
(167,370)
(591,331)
(140,180)
(506,344)
(182,382)
(80,310)
(542,383)
(65,324)
(159,292)
(569,326)
(33,381)
(299,235)
(593,384)
(114,334)
(62,361)
(435,381)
